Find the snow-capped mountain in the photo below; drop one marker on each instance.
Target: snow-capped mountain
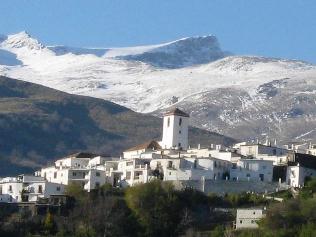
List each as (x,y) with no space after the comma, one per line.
(176,54)
(240,96)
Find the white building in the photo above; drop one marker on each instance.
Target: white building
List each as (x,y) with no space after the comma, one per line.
(248,218)
(133,171)
(88,170)
(26,188)
(252,170)
(257,150)
(175,130)
(216,151)
(301,167)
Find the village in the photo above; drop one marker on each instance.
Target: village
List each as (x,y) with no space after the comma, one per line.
(245,167)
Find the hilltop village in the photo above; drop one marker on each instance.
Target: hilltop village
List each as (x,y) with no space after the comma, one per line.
(244,167)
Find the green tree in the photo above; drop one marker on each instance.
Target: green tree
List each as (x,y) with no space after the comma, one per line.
(76,191)
(49,224)
(157,207)
(308,230)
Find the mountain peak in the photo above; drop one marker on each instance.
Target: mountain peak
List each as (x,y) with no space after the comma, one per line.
(23,40)
(175,54)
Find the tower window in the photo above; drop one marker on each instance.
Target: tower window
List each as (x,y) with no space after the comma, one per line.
(180,121)
(40,189)
(168,122)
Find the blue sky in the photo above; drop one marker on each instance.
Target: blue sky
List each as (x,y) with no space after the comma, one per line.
(276,28)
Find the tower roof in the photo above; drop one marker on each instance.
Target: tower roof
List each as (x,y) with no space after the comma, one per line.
(177,112)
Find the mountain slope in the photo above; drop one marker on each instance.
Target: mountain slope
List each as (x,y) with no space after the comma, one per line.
(38,124)
(241,96)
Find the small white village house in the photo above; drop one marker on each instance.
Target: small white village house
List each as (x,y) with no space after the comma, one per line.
(86,169)
(27,188)
(247,218)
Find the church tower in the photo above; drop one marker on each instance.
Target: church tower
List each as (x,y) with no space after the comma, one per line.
(175,130)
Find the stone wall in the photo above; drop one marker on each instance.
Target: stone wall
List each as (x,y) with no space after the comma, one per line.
(221,187)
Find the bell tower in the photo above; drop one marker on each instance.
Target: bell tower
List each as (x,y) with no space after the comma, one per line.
(175,130)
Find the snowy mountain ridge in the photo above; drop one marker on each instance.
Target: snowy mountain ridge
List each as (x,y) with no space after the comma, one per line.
(241,96)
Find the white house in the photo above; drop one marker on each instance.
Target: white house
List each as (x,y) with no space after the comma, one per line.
(301,167)
(190,168)
(88,170)
(252,170)
(133,171)
(215,151)
(27,188)
(248,218)
(255,150)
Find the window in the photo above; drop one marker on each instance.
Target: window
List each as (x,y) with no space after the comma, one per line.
(254,213)
(97,174)
(10,188)
(74,174)
(274,151)
(252,221)
(179,144)
(55,175)
(168,122)
(179,131)
(169,164)
(137,174)
(58,188)
(240,221)
(195,164)
(129,163)
(180,121)
(97,184)
(261,176)
(248,175)
(128,175)
(40,189)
